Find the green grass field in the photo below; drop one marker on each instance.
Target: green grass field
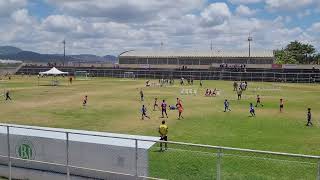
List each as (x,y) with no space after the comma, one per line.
(114,106)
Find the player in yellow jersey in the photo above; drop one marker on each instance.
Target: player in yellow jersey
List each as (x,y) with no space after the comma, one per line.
(163,131)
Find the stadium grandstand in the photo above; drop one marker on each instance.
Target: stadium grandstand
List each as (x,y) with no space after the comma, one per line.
(9,66)
(215,65)
(196,58)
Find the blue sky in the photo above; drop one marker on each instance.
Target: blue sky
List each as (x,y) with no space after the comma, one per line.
(111,26)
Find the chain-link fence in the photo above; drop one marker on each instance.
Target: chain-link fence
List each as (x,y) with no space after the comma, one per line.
(290,77)
(42,153)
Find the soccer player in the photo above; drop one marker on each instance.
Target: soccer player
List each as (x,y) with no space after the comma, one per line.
(70,80)
(144,112)
(259,101)
(179,102)
(207,92)
(85,100)
(239,92)
(8,96)
(171,107)
(235,86)
(163,131)
(201,83)
(155,104)
(181,82)
(164,109)
(309,118)
(214,92)
(252,112)
(141,95)
(281,105)
(226,106)
(148,83)
(180,109)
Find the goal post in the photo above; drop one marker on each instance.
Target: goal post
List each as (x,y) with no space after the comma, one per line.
(129,75)
(81,75)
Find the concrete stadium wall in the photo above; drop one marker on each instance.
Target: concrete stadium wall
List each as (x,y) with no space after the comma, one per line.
(31,174)
(81,154)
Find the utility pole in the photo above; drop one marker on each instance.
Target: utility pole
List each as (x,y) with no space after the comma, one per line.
(64,51)
(249,41)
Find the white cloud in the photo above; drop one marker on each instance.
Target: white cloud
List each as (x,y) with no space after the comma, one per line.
(8,6)
(215,14)
(189,25)
(287,4)
(315,27)
(245,1)
(243,10)
(61,23)
(21,16)
(283,19)
(304,14)
(127,11)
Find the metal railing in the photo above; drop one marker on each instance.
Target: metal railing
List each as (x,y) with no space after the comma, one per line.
(179,161)
(291,77)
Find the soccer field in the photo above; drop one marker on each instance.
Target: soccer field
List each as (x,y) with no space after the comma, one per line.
(114,106)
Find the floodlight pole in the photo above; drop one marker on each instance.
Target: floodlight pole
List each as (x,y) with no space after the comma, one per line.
(64,51)
(249,41)
(211,46)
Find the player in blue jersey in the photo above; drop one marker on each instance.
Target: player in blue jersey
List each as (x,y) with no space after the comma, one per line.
(144,112)
(252,112)
(226,106)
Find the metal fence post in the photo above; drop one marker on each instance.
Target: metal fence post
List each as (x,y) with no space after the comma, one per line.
(9,155)
(67,154)
(309,78)
(318,176)
(136,157)
(219,155)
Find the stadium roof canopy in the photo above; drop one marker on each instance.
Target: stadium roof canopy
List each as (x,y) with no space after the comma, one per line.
(173,54)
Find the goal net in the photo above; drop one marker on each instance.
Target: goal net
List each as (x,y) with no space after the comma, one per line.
(81,75)
(129,75)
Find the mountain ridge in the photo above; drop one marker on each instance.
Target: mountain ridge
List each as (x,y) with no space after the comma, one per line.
(14,53)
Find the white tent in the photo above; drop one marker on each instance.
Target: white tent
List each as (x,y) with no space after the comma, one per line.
(53,71)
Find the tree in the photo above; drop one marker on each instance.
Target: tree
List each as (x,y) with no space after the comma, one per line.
(301,52)
(316,59)
(296,53)
(284,57)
